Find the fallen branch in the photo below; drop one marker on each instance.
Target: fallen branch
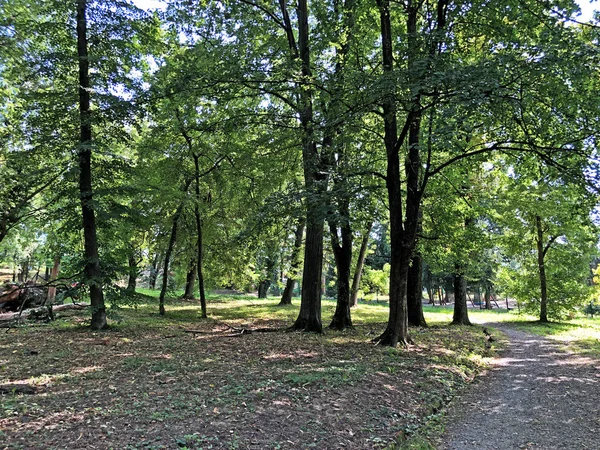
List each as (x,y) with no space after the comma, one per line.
(40,311)
(238,331)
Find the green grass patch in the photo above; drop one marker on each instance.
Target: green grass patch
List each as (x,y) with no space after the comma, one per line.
(580,335)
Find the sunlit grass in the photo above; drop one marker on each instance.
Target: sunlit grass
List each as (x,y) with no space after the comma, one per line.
(581,334)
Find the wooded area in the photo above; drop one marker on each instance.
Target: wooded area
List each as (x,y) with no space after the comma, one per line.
(351,148)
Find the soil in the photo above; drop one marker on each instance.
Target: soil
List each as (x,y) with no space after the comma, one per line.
(163,388)
(537,396)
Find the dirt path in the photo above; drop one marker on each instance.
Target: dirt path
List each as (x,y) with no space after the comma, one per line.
(536,397)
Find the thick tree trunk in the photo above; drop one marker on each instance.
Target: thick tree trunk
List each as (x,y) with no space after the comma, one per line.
(414,296)
(132,272)
(286,297)
(190,281)
(53,276)
(342,252)
(461,315)
(541,253)
(263,288)
(360,265)
(92,261)
(288,291)
(397,327)
(309,318)
(403,230)
(165,277)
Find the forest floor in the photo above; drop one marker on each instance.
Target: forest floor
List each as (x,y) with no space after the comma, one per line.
(541,394)
(149,383)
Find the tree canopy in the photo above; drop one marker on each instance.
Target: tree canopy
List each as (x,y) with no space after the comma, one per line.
(211,142)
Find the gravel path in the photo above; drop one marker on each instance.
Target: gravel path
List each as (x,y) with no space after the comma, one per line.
(535,397)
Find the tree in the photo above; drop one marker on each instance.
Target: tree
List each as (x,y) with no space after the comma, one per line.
(549,237)
(92,266)
(360,264)
(286,297)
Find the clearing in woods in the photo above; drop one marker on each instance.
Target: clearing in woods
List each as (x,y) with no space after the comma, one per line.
(150,383)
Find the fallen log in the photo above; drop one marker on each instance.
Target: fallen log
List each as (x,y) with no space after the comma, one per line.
(40,312)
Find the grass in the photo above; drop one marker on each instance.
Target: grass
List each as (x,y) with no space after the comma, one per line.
(580,335)
(168,388)
(147,383)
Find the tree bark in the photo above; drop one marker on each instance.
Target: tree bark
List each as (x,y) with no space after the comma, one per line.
(286,297)
(488,295)
(429,285)
(403,230)
(199,236)
(415,292)
(190,281)
(154,270)
(360,265)
(53,276)
(92,261)
(309,318)
(397,327)
(132,272)
(342,252)
(263,288)
(461,315)
(165,277)
(541,253)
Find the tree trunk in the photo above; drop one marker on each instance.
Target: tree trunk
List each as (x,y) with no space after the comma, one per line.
(154,270)
(461,315)
(342,252)
(403,230)
(132,272)
(309,318)
(263,288)
(190,281)
(286,297)
(541,254)
(92,261)
(397,327)
(429,285)
(488,296)
(288,291)
(165,277)
(53,276)
(199,233)
(414,296)
(360,264)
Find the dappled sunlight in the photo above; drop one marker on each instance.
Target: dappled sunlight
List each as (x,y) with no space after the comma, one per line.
(576,360)
(46,379)
(500,362)
(50,422)
(299,354)
(566,379)
(84,370)
(176,371)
